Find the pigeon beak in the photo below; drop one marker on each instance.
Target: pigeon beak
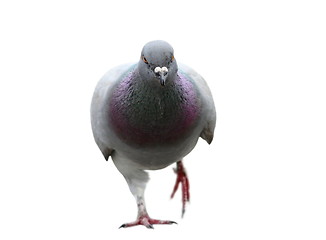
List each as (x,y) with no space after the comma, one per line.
(163,78)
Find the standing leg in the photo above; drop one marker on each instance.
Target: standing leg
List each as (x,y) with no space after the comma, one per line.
(137,179)
(143,217)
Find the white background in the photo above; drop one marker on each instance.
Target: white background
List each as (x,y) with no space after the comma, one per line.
(262,178)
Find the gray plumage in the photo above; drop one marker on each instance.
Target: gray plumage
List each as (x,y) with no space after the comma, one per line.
(149,115)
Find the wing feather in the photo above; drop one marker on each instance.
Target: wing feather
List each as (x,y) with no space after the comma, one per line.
(208,103)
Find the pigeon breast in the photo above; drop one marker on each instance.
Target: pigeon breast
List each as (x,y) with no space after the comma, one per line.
(147,114)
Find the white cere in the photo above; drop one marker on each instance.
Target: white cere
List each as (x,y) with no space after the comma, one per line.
(162,70)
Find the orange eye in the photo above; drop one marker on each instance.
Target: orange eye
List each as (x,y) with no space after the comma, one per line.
(144,59)
(172,58)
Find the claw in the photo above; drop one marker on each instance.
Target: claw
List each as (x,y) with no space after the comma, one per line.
(150,226)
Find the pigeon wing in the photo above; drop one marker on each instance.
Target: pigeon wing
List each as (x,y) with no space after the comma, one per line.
(208,103)
(101,131)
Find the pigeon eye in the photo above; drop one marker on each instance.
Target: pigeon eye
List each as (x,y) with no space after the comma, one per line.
(172,58)
(145,60)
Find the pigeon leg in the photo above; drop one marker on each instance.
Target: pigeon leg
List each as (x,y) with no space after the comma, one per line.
(137,180)
(143,217)
(183,179)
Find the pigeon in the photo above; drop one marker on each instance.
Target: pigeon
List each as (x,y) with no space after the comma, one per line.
(149,115)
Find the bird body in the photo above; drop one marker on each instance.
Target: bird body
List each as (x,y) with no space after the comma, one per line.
(150,114)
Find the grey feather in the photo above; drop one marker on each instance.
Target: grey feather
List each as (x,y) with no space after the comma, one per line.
(156,94)
(208,131)
(104,135)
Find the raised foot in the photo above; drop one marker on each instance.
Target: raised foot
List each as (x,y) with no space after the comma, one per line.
(183,179)
(147,222)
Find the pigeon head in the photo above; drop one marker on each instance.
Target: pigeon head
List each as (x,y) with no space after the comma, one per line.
(157,62)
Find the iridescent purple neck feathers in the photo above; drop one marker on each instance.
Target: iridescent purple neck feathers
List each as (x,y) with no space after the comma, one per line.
(147,115)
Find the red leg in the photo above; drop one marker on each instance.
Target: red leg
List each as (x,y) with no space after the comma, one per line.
(143,217)
(183,179)
(146,221)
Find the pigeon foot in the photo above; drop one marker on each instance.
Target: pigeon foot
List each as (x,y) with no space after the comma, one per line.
(146,221)
(183,179)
